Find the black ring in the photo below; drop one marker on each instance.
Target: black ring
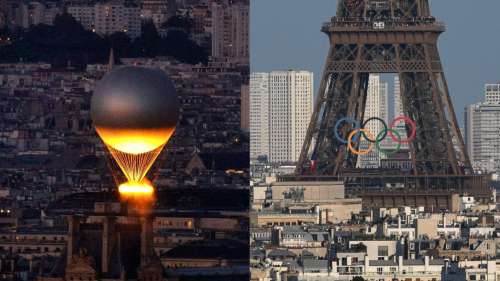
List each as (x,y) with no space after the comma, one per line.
(385,129)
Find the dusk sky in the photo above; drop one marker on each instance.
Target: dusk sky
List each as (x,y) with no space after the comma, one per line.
(285,34)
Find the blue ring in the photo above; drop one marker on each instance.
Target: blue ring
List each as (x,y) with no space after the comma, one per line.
(347,120)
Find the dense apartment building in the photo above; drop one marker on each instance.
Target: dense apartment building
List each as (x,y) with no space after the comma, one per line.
(23,14)
(482,128)
(492,93)
(109,17)
(230,30)
(281,107)
(259,115)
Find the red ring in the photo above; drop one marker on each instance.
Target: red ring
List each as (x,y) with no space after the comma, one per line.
(408,121)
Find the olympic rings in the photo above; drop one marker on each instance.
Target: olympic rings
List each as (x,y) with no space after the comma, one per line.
(360,130)
(349,120)
(408,121)
(359,152)
(386,151)
(384,131)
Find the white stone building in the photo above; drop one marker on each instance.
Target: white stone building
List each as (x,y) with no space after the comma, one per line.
(388,270)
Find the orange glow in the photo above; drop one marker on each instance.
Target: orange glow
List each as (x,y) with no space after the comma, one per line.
(135,141)
(134,189)
(140,196)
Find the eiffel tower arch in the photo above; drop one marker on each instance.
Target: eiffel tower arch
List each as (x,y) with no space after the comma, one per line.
(386,36)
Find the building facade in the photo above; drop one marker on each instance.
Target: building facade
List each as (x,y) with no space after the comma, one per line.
(259,115)
(482,128)
(84,14)
(28,13)
(117,16)
(109,17)
(291,106)
(230,29)
(492,92)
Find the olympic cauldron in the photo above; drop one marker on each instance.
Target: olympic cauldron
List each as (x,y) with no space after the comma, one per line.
(135,112)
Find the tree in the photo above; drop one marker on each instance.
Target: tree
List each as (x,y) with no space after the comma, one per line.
(147,45)
(358,278)
(181,22)
(177,44)
(121,44)
(67,41)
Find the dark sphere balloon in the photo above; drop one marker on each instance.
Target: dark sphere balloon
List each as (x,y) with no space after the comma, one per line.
(135,109)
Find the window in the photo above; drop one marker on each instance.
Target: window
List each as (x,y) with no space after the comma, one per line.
(383,251)
(380,270)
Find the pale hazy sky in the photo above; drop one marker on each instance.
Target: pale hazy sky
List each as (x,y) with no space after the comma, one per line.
(286,34)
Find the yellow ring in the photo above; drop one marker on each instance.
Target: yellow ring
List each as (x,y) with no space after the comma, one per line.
(360,152)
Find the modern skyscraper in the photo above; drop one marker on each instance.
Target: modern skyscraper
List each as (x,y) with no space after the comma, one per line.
(398,111)
(377,102)
(291,96)
(482,130)
(492,92)
(398,103)
(281,104)
(230,28)
(259,115)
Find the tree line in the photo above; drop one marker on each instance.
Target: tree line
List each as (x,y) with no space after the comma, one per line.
(66,41)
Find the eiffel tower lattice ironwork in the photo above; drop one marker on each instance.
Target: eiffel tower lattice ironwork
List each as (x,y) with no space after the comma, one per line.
(384,36)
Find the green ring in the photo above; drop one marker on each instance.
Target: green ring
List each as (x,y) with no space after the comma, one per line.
(379,139)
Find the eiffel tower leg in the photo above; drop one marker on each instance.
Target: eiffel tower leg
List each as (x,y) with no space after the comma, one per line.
(311,130)
(426,100)
(341,94)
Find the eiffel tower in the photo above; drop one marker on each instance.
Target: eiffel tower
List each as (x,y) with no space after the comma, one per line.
(391,36)
(385,36)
